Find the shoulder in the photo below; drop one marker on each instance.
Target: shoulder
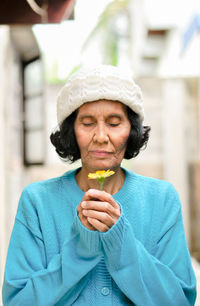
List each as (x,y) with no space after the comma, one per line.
(38,198)
(149,182)
(152,188)
(49,185)
(46,191)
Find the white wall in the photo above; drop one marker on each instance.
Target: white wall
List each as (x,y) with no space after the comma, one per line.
(3,49)
(11,117)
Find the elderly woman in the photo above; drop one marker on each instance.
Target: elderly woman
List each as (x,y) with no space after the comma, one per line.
(74,244)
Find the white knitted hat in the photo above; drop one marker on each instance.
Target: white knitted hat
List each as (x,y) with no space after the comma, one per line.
(98,83)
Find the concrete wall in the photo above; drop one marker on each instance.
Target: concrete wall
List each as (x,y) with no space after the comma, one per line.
(11,167)
(171,107)
(195,209)
(4,42)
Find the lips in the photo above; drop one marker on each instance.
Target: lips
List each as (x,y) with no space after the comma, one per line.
(101,153)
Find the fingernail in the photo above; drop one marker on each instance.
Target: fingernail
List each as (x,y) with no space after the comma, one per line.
(83,204)
(84,212)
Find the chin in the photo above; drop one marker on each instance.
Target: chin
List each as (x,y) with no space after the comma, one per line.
(102,166)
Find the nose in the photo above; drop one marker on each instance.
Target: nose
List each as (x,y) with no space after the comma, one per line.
(101,134)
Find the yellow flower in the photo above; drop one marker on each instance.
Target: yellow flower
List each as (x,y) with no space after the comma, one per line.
(100,175)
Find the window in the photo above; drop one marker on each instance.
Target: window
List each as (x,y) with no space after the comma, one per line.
(33,107)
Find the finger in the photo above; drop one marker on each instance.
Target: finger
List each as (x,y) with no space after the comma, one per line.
(99,206)
(100,195)
(85,222)
(101,216)
(99,226)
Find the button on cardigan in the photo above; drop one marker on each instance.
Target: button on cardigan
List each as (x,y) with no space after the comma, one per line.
(142,260)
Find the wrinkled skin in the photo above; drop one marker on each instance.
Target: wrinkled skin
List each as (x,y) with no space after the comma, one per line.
(102,129)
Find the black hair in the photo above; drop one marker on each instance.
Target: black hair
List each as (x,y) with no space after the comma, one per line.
(64,139)
(138,137)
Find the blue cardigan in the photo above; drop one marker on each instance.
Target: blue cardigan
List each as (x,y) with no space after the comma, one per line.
(142,260)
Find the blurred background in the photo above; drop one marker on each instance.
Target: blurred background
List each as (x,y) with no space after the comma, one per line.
(43,42)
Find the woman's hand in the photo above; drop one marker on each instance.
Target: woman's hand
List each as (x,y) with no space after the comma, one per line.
(98,210)
(83,218)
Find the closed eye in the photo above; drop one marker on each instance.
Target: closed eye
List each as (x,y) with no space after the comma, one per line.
(88,124)
(114,124)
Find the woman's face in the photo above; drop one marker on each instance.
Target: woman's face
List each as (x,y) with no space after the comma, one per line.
(102,129)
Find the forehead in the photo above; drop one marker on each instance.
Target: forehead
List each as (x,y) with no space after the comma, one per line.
(102,107)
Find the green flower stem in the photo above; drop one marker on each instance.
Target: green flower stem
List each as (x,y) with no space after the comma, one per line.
(101,181)
(101,185)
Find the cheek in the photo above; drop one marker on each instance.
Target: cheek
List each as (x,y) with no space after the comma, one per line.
(121,141)
(82,139)
(79,138)
(78,135)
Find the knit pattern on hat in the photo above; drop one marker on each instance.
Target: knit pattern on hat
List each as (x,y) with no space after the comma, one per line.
(98,83)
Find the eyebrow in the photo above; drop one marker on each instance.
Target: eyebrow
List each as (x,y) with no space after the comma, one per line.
(91,117)
(85,117)
(115,115)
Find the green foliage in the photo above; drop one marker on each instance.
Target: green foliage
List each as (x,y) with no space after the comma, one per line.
(74,69)
(105,29)
(51,73)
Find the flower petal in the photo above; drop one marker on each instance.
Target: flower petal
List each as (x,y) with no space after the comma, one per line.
(100,174)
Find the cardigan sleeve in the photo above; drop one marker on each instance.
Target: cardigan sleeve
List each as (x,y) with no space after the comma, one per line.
(29,280)
(161,277)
